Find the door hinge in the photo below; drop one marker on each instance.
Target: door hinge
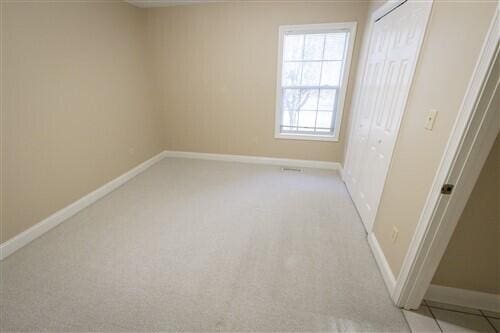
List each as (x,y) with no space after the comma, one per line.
(447,189)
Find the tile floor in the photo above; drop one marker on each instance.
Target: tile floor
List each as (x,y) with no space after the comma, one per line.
(438,317)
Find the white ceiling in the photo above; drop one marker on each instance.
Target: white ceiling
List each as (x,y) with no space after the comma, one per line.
(165,3)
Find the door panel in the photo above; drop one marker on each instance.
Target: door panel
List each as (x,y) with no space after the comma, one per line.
(392,54)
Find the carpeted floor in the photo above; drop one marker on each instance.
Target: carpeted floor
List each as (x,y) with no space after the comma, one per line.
(193,245)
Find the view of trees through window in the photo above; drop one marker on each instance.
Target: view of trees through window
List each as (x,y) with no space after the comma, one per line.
(312,67)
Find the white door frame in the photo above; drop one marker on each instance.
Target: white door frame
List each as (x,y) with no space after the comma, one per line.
(380,12)
(469,144)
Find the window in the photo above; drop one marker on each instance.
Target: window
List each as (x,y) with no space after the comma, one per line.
(312,77)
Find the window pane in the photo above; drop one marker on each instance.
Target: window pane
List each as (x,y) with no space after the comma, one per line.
(324,120)
(291,73)
(307,119)
(290,118)
(291,99)
(335,46)
(314,47)
(310,73)
(331,73)
(327,99)
(309,99)
(293,47)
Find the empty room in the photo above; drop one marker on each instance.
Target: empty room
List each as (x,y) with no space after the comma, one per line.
(249,166)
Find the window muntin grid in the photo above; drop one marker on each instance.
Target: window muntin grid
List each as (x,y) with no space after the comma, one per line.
(312,68)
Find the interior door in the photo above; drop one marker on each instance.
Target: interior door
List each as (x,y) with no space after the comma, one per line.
(393,50)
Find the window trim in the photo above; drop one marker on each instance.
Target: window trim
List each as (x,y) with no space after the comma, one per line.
(317,28)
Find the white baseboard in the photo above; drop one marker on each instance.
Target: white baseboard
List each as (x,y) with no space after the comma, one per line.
(10,246)
(463,297)
(383,265)
(255,160)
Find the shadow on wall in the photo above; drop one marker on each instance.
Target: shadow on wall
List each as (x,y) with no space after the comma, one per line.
(472,258)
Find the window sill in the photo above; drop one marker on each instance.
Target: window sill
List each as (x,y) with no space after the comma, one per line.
(306,137)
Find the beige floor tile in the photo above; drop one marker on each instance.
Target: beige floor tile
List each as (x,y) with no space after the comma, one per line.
(491,314)
(452,321)
(421,321)
(495,322)
(452,307)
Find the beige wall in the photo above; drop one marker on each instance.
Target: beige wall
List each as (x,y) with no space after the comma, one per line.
(216,66)
(76,108)
(455,34)
(472,258)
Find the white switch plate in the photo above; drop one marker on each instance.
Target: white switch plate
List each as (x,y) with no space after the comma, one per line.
(431,119)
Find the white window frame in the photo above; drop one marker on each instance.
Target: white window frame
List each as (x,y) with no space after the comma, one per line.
(350,27)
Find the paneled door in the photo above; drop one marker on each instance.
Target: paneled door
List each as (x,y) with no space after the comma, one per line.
(392,54)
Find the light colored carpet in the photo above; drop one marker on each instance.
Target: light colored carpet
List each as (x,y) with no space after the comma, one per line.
(194,245)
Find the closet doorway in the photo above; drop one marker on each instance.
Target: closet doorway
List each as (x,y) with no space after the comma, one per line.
(381,93)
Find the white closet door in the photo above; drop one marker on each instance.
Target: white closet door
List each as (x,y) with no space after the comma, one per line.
(392,55)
